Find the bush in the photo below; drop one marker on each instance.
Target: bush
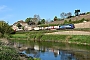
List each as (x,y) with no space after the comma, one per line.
(88,13)
(66,22)
(8,53)
(0,35)
(5,28)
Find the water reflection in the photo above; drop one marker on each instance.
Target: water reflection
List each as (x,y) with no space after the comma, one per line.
(54,51)
(49,53)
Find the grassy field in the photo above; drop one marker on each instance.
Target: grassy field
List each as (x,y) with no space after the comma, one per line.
(19,36)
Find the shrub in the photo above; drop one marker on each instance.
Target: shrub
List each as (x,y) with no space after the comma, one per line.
(0,35)
(8,53)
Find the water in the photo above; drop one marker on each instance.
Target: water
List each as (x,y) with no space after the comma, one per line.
(50,54)
(54,51)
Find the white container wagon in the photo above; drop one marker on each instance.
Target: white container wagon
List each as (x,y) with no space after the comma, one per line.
(36,28)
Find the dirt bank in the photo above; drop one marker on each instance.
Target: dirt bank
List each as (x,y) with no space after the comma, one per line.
(71,33)
(4,40)
(82,25)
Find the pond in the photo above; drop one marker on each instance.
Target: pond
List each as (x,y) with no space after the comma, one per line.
(52,50)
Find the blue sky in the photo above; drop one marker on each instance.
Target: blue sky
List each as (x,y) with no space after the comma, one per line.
(13,10)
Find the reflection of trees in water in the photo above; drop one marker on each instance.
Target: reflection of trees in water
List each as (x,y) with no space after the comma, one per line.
(82,55)
(42,49)
(55,54)
(32,51)
(66,56)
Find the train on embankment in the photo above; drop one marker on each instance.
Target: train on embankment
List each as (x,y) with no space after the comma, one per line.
(59,27)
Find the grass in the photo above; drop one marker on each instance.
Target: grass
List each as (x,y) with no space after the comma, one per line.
(39,35)
(8,53)
(19,36)
(80,46)
(53,37)
(80,38)
(30,35)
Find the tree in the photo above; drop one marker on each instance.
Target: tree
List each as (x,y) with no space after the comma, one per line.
(43,21)
(87,12)
(37,16)
(55,18)
(28,20)
(31,23)
(69,15)
(39,22)
(77,12)
(70,21)
(5,28)
(19,25)
(63,15)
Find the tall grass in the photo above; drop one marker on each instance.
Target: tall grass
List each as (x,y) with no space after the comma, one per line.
(80,38)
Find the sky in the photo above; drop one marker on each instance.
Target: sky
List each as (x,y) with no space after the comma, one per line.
(12,11)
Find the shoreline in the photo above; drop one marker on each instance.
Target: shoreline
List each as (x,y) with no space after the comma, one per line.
(56,41)
(77,37)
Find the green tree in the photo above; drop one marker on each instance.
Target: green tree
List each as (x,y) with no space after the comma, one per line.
(70,21)
(65,22)
(43,21)
(88,13)
(39,22)
(77,12)
(28,20)
(55,18)
(5,28)
(69,15)
(82,20)
(19,25)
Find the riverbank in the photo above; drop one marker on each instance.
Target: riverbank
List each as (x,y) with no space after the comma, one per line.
(9,52)
(76,37)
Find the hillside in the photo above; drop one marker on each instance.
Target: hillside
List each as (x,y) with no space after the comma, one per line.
(82,25)
(87,16)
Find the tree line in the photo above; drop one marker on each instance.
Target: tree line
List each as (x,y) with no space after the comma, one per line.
(63,15)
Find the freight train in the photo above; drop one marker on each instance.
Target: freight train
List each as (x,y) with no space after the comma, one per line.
(66,26)
(59,27)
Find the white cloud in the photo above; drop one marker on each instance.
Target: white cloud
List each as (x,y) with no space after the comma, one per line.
(4,8)
(7,18)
